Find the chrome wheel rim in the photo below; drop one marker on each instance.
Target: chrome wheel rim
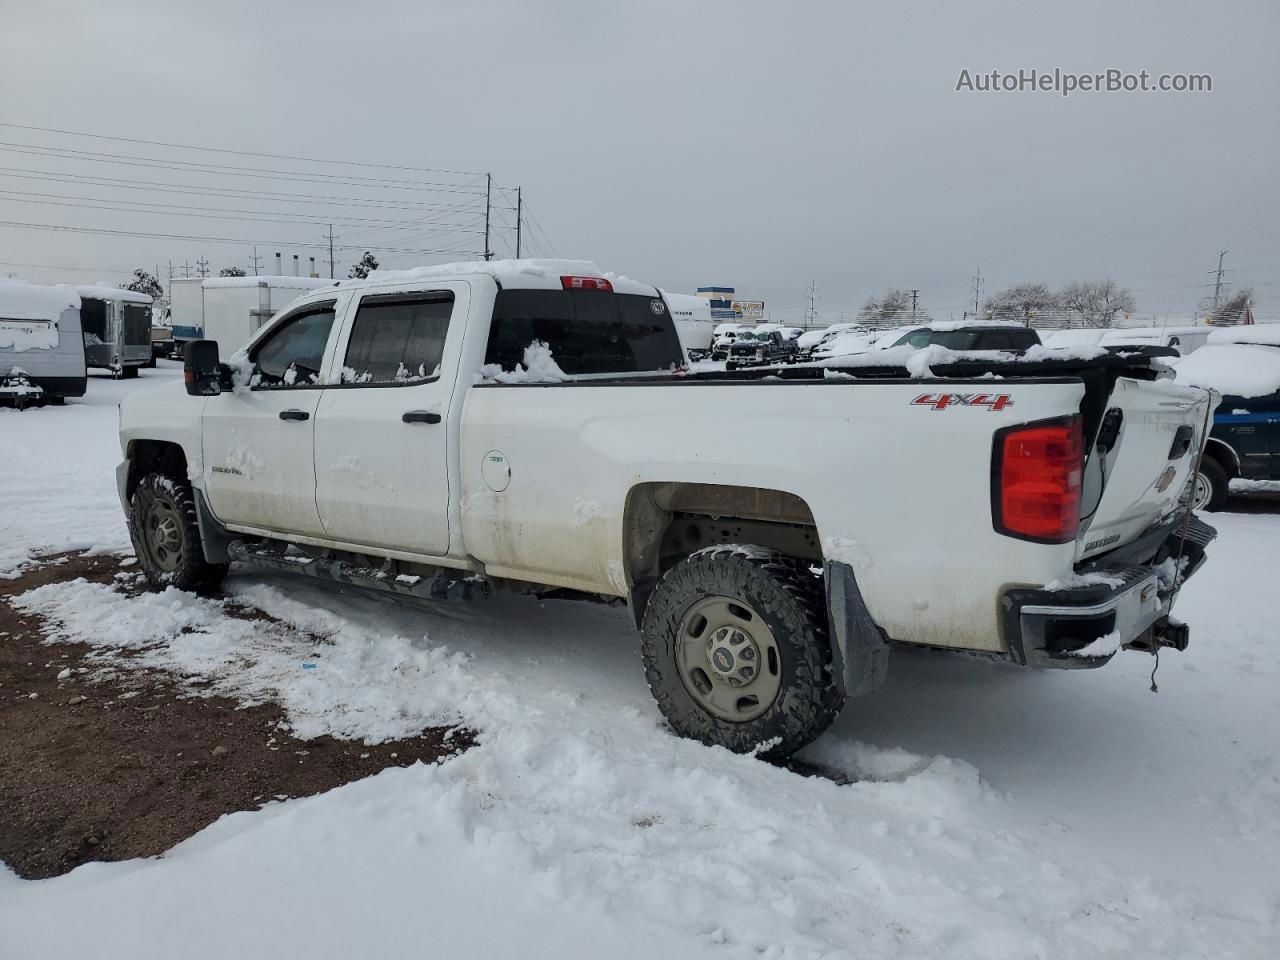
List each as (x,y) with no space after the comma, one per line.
(1201,492)
(162,535)
(728,659)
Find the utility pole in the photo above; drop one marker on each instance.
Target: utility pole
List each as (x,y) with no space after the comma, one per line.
(915,297)
(186,269)
(488,190)
(811,309)
(519,211)
(203,266)
(255,258)
(976,287)
(331,251)
(1217,283)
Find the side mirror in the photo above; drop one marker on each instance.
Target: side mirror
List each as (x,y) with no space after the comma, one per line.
(201,370)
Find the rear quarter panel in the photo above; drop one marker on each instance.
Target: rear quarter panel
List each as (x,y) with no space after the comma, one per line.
(899,491)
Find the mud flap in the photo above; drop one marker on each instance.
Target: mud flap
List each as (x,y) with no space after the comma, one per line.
(860,654)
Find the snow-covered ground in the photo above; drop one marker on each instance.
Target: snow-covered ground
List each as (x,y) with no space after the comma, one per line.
(995,812)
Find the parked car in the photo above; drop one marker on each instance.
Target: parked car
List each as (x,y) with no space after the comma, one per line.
(758,347)
(1245,441)
(959,336)
(41,345)
(1185,339)
(808,343)
(724,336)
(486,404)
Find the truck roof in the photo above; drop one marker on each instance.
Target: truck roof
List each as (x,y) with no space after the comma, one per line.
(543,274)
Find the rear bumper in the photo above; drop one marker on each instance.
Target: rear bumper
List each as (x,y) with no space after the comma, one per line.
(1118,604)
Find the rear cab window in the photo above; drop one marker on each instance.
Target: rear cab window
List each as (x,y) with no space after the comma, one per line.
(587,331)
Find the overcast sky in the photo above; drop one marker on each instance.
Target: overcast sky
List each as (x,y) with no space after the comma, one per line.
(758,145)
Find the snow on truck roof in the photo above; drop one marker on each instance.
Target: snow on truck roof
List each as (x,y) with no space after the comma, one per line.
(526,274)
(100,291)
(20,300)
(1266,333)
(1233,369)
(279,283)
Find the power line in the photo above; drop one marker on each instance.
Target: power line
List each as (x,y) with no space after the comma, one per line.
(219,169)
(240,153)
(182,210)
(182,236)
(233,193)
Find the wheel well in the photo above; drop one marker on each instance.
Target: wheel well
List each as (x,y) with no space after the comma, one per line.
(666,522)
(154,456)
(1222,454)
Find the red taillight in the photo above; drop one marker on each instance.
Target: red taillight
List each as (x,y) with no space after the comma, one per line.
(1036,481)
(586,283)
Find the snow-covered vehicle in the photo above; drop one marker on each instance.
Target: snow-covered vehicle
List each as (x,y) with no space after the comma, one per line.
(41,347)
(757,347)
(525,425)
(1245,441)
(724,336)
(117,328)
(1183,339)
(966,336)
(810,341)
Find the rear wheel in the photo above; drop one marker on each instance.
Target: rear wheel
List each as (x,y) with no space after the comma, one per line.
(1209,487)
(736,651)
(166,536)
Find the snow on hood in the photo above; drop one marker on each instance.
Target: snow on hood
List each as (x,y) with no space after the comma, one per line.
(1235,369)
(20,300)
(1253,333)
(97,291)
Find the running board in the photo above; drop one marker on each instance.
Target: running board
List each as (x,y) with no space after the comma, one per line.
(439,587)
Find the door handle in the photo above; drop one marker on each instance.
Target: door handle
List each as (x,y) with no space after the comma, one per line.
(294,415)
(420,416)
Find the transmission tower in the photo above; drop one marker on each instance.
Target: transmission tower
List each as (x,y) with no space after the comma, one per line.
(811,306)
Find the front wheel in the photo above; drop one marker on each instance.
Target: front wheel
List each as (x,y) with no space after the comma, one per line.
(1209,487)
(737,653)
(166,536)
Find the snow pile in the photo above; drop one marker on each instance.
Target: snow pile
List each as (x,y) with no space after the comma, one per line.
(538,367)
(20,300)
(1239,370)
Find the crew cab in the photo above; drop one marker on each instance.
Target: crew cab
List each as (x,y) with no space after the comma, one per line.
(761,347)
(530,426)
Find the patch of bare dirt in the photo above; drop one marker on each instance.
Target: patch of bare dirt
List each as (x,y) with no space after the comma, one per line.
(96,770)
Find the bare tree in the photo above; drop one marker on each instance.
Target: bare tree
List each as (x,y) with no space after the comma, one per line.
(1022,302)
(1099,302)
(893,307)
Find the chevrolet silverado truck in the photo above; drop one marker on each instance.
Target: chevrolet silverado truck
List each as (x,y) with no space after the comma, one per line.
(531,426)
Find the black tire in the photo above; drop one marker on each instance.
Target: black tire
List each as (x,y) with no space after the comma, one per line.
(790,600)
(1219,483)
(166,537)
(129,373)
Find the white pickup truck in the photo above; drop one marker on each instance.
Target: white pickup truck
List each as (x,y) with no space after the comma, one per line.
(529,425)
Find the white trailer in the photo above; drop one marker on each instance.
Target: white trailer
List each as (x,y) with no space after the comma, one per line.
(231,309)
(693,321)
(41,346)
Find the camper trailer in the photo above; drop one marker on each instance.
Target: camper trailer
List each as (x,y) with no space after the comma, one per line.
(41,348)
(231,309)
(117,329)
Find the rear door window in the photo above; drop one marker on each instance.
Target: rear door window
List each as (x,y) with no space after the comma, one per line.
(397,339)
(587,331)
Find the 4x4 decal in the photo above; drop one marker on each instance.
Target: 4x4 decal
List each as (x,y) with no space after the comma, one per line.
(941,401)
